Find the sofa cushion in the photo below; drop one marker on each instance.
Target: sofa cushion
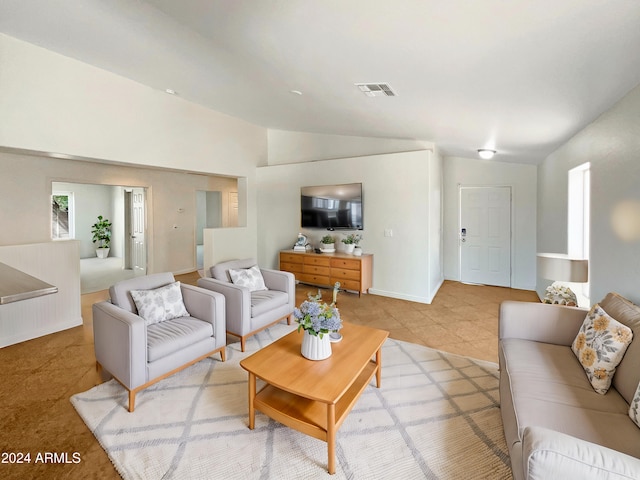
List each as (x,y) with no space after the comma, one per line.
(549,389)
(627,375)
(264,301)
(160,304)
(250,278)
(220,271)
(168,337)
(599,346)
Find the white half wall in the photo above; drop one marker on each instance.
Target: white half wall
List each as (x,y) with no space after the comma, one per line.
(58,264)
(522,180)
(612,145)
(397,196)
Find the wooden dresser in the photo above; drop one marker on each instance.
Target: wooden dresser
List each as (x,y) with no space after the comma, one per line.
(325,269)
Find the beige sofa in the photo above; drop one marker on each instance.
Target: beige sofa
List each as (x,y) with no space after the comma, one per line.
(555,424)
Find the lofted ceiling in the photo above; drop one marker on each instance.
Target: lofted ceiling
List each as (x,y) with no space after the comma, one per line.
(518,76)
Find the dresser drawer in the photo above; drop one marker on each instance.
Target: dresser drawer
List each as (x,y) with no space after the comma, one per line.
(317,260)
(347,263)
(347,284)
(310,278)
(340,274)
(316,270)
(291,267)
(290,258)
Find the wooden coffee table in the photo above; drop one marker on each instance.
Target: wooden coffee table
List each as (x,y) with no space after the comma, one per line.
(314,397)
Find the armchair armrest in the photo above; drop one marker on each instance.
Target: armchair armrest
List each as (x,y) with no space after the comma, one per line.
(278,280)
(550,454)
(208,306)
(540,322)
(120,341)
(237,303)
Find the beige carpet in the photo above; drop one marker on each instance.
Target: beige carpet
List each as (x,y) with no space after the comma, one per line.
(436,416)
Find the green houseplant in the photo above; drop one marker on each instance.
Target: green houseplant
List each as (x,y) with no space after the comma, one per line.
(328,243)
(350,241)
(101,231)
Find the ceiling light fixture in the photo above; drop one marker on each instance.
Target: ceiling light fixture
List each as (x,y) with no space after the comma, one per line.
(486,154)
(295,92)
(170,91)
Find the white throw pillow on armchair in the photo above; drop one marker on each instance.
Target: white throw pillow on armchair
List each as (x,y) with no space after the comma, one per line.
(248,277)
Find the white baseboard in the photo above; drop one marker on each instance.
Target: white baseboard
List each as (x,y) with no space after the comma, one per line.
(40,332)
(400,296)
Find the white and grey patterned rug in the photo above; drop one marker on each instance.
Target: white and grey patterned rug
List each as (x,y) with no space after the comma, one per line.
(436,416)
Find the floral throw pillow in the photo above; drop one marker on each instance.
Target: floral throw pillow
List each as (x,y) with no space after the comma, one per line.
(634,408)
(248,277)
(600,345)
(160,304)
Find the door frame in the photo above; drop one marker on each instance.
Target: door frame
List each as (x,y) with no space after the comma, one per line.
(511,222)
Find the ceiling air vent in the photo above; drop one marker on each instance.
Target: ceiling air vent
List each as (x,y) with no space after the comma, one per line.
(376,89)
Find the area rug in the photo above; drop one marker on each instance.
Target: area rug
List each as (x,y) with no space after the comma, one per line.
(436,416)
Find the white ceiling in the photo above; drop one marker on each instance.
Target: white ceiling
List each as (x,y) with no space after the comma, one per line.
(520,76)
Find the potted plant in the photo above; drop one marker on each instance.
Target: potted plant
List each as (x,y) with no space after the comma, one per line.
(317,320)
(350,241)
(101,231)
(328,243)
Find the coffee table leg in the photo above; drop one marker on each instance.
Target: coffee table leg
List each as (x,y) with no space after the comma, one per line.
(252,396)
(331,437)
(379,366)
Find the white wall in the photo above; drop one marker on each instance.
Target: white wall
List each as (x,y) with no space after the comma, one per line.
(396,196)
(54,104)
(477,172)
(612,145)
(296,147)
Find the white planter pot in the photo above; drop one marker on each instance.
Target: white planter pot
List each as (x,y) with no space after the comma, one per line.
(314,347)
(357,251)
(328,247)
(348,247)
(102,252)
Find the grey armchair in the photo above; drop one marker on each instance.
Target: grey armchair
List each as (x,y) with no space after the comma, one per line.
(138,355)
(250,312)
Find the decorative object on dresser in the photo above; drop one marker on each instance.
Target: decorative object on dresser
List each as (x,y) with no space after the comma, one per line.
(328,244)
(353,273)
(350,241)
(250,307)
(301,243)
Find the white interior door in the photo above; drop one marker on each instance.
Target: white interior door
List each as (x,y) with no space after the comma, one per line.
(485,235)
(138,245)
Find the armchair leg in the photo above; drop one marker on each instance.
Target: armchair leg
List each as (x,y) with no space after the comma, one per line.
(223,354)
(289,318)
(132,400)
(242,342)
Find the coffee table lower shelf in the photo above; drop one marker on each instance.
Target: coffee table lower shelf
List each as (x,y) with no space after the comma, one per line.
(312,417)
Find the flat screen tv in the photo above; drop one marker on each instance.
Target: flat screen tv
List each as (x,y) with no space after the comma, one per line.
(332,206)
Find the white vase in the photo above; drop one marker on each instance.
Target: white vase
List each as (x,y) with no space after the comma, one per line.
(357,251)
(348,247)
(314,347)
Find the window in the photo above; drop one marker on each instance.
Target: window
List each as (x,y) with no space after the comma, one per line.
(62,216)
(578,221)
